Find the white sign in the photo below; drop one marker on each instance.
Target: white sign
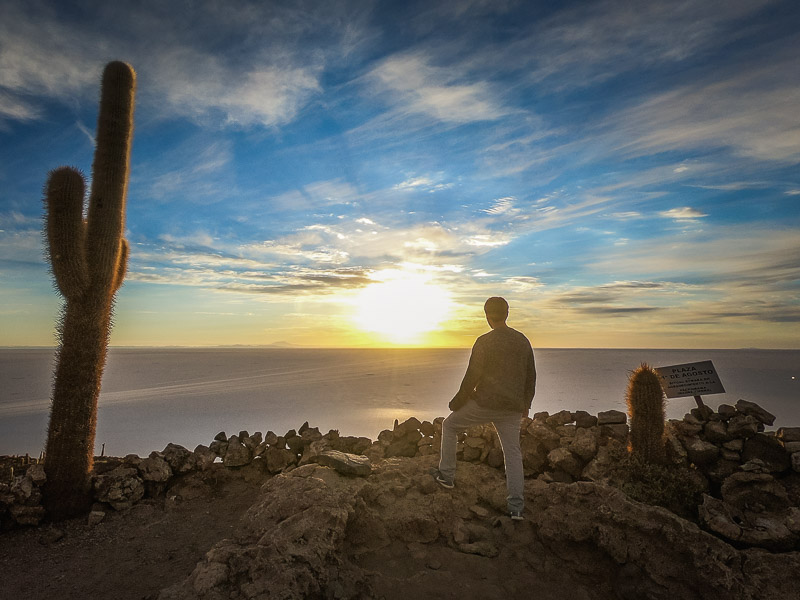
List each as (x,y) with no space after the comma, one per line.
(690,379)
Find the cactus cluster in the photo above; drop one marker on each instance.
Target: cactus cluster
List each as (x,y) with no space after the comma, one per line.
(88,258)
(645,400)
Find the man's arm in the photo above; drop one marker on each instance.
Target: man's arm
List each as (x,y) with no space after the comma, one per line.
(471,378)
(530,382)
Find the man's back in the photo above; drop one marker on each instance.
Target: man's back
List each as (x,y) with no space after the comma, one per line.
(501,371)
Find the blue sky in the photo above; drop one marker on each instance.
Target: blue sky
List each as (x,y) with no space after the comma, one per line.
(625,174)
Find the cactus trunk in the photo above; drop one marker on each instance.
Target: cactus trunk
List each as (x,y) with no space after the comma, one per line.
(645,400)
(88,259)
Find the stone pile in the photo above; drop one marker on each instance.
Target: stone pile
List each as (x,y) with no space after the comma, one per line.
(752,476)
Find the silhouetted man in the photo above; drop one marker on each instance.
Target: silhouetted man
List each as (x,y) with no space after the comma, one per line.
(498,388)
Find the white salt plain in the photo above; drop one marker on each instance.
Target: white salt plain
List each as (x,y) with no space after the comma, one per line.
(152,396)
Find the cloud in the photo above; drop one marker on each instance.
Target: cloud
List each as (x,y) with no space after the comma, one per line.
(412,85)
(501,206)
(424,183)
(684,213)
(751,111)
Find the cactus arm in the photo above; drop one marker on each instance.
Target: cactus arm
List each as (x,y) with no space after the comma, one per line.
(106,218)
(122,265)
(66,231)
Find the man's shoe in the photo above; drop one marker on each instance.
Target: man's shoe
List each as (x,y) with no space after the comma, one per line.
(516,515)
(440,479)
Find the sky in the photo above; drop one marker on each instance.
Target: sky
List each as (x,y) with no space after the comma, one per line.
(356,173)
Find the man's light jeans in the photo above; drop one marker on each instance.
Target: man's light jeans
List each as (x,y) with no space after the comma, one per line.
(507,424)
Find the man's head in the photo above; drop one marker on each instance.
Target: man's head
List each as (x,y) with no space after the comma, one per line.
(496,309)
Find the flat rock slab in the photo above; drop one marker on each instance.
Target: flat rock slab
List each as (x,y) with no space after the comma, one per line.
(344,463)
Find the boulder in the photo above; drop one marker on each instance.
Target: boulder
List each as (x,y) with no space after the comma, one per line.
(271,438)
(495,458)
(715,431)
(773,531)
(562,459)
(534,454)
(178,458)
(769,450)
(278,459)
(756,492)
(543,435)
(36,474)
(584,419)
(754,410)
(618,431)
(203,457)
(699,451)
(237,454)
(726,411)
(584,444)
(560,418)
(788,434)
(611,417)
(742,426)
(121,488)
(27,515)
(155,469)
(346,464)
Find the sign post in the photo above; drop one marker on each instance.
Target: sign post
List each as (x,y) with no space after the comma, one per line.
(690,379)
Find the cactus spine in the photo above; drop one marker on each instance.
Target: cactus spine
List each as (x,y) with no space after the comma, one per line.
(88,258)
(645,400)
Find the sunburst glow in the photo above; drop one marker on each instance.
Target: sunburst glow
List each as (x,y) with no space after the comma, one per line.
(401,306)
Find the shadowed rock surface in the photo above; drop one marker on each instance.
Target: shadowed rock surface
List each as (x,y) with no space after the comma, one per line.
(314,533)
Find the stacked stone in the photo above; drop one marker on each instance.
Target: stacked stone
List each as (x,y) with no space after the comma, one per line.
(752,474)
(21,496)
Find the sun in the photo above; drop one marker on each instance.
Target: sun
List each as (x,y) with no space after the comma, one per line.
(401,306)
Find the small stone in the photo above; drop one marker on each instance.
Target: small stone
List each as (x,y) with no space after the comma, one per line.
(791,447)
(221,437)
(611,417)
(433,564)
(203,457)
(479,511)
(51,535)
(796,462)
(726,411)
(95,518)
(735,445)
(754,410)
(271,438)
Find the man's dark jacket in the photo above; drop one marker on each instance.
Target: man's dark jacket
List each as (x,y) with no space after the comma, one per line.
(501,374)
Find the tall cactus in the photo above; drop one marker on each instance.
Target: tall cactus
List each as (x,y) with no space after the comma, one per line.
(88,257)
(645,400)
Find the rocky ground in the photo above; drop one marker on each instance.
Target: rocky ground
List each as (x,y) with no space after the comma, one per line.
(130,554)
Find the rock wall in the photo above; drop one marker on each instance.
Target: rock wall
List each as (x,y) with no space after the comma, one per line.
(751,476)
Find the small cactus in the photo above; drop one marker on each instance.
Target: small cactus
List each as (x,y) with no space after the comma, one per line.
(645,400)
(88,258)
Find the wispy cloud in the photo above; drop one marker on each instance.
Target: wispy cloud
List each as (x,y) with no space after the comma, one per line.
(683,213)
(411,84)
